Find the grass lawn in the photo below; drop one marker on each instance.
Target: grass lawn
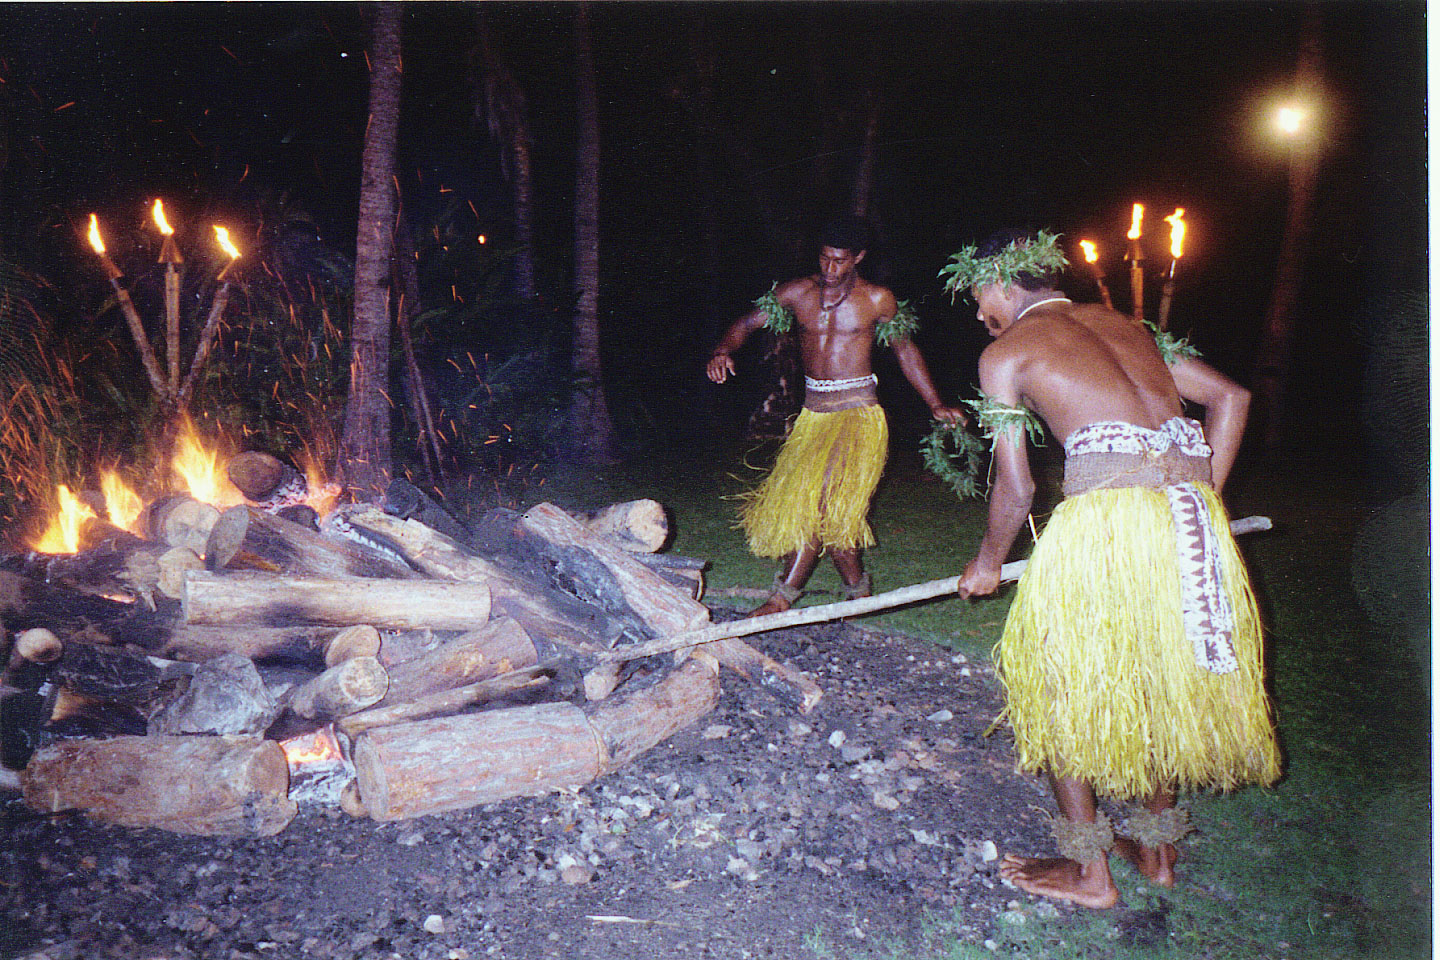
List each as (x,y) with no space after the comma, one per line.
(1334,861)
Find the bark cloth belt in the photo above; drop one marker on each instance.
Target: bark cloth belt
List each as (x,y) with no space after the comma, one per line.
(830,396)
(1175,458)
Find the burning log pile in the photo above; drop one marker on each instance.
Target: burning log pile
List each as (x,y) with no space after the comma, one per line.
(208,677)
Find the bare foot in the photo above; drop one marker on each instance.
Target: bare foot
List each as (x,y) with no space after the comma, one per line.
(1157,863)
(776,604)
(1083,884)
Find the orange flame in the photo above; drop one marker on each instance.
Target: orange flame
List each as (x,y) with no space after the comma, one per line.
(1177,232)
(1137,213)
(95,241)
(222,237)
(311,748)
(1091,254)
(122,503)
(197,469)
(158,211)
(63,533)
(321,495)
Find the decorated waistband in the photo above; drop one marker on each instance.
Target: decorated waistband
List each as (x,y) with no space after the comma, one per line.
(829,386)
(1116,436)
(831,396)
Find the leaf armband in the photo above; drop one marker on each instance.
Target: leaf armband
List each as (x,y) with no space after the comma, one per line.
(778,317)
(1173,349)
(954,454)
(996,419)
(903,325)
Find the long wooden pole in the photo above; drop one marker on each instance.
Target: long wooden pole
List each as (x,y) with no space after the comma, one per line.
(845,608)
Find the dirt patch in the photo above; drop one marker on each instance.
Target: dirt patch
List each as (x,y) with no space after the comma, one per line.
(754,833)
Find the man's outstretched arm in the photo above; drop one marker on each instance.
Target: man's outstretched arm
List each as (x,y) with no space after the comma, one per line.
(721,366)
(1010,498)
(912,364)
(1013,489)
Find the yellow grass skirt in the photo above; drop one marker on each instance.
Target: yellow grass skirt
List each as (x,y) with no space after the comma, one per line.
(1101,683)
(821,486)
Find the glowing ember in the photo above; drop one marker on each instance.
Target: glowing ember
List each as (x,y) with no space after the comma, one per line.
(222,237)
(312,749)
(1137,213)
(1091,254)
(1177,231)
(123,504)
(63,533)
(94,235)
(197,469)
(158,211)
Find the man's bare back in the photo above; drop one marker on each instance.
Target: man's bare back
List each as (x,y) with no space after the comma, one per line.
(1077,364)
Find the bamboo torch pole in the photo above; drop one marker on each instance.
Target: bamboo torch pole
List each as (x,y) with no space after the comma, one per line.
(132,316)
(1177,247)
(1136,258)
(170,256)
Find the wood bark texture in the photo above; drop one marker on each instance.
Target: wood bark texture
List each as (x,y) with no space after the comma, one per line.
(449,763)
(230,786)
(498,647)
(270,600)
(450,701)
(364,459)
(248,538)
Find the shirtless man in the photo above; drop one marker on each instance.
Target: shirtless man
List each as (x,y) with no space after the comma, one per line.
(1117,678)
(817,497)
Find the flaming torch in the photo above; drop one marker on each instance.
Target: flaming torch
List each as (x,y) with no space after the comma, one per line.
(127,306)
(212,322)
(1177,245)
(1136,258)
(1092,257)
(170,256)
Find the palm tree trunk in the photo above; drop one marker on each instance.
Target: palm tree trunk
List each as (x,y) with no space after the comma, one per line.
(499,99)
(1273,353)
(863,189)
(364,460)
(591,433)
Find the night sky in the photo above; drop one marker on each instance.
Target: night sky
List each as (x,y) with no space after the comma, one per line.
(991,115)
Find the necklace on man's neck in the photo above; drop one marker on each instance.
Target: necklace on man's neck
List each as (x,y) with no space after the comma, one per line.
(1038,303)
(828,309)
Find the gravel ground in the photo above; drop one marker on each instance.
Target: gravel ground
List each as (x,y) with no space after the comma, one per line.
(754,833)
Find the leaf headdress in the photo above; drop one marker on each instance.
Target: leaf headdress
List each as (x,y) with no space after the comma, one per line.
(1036,256)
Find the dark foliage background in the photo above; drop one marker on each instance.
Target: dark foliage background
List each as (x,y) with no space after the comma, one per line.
(729,132)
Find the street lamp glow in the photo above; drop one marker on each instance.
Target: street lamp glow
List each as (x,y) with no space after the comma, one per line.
(1290,120)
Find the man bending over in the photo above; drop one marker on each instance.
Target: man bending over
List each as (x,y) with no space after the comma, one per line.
(1131,656)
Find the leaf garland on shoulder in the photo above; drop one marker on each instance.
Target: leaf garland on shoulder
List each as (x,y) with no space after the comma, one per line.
(904,325)
(960,467)
(1036,257)
(1172,349)
(996,419)
(778,317)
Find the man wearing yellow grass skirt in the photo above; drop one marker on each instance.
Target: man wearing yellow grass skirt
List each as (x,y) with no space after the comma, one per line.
(1131,656)
(817,497)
